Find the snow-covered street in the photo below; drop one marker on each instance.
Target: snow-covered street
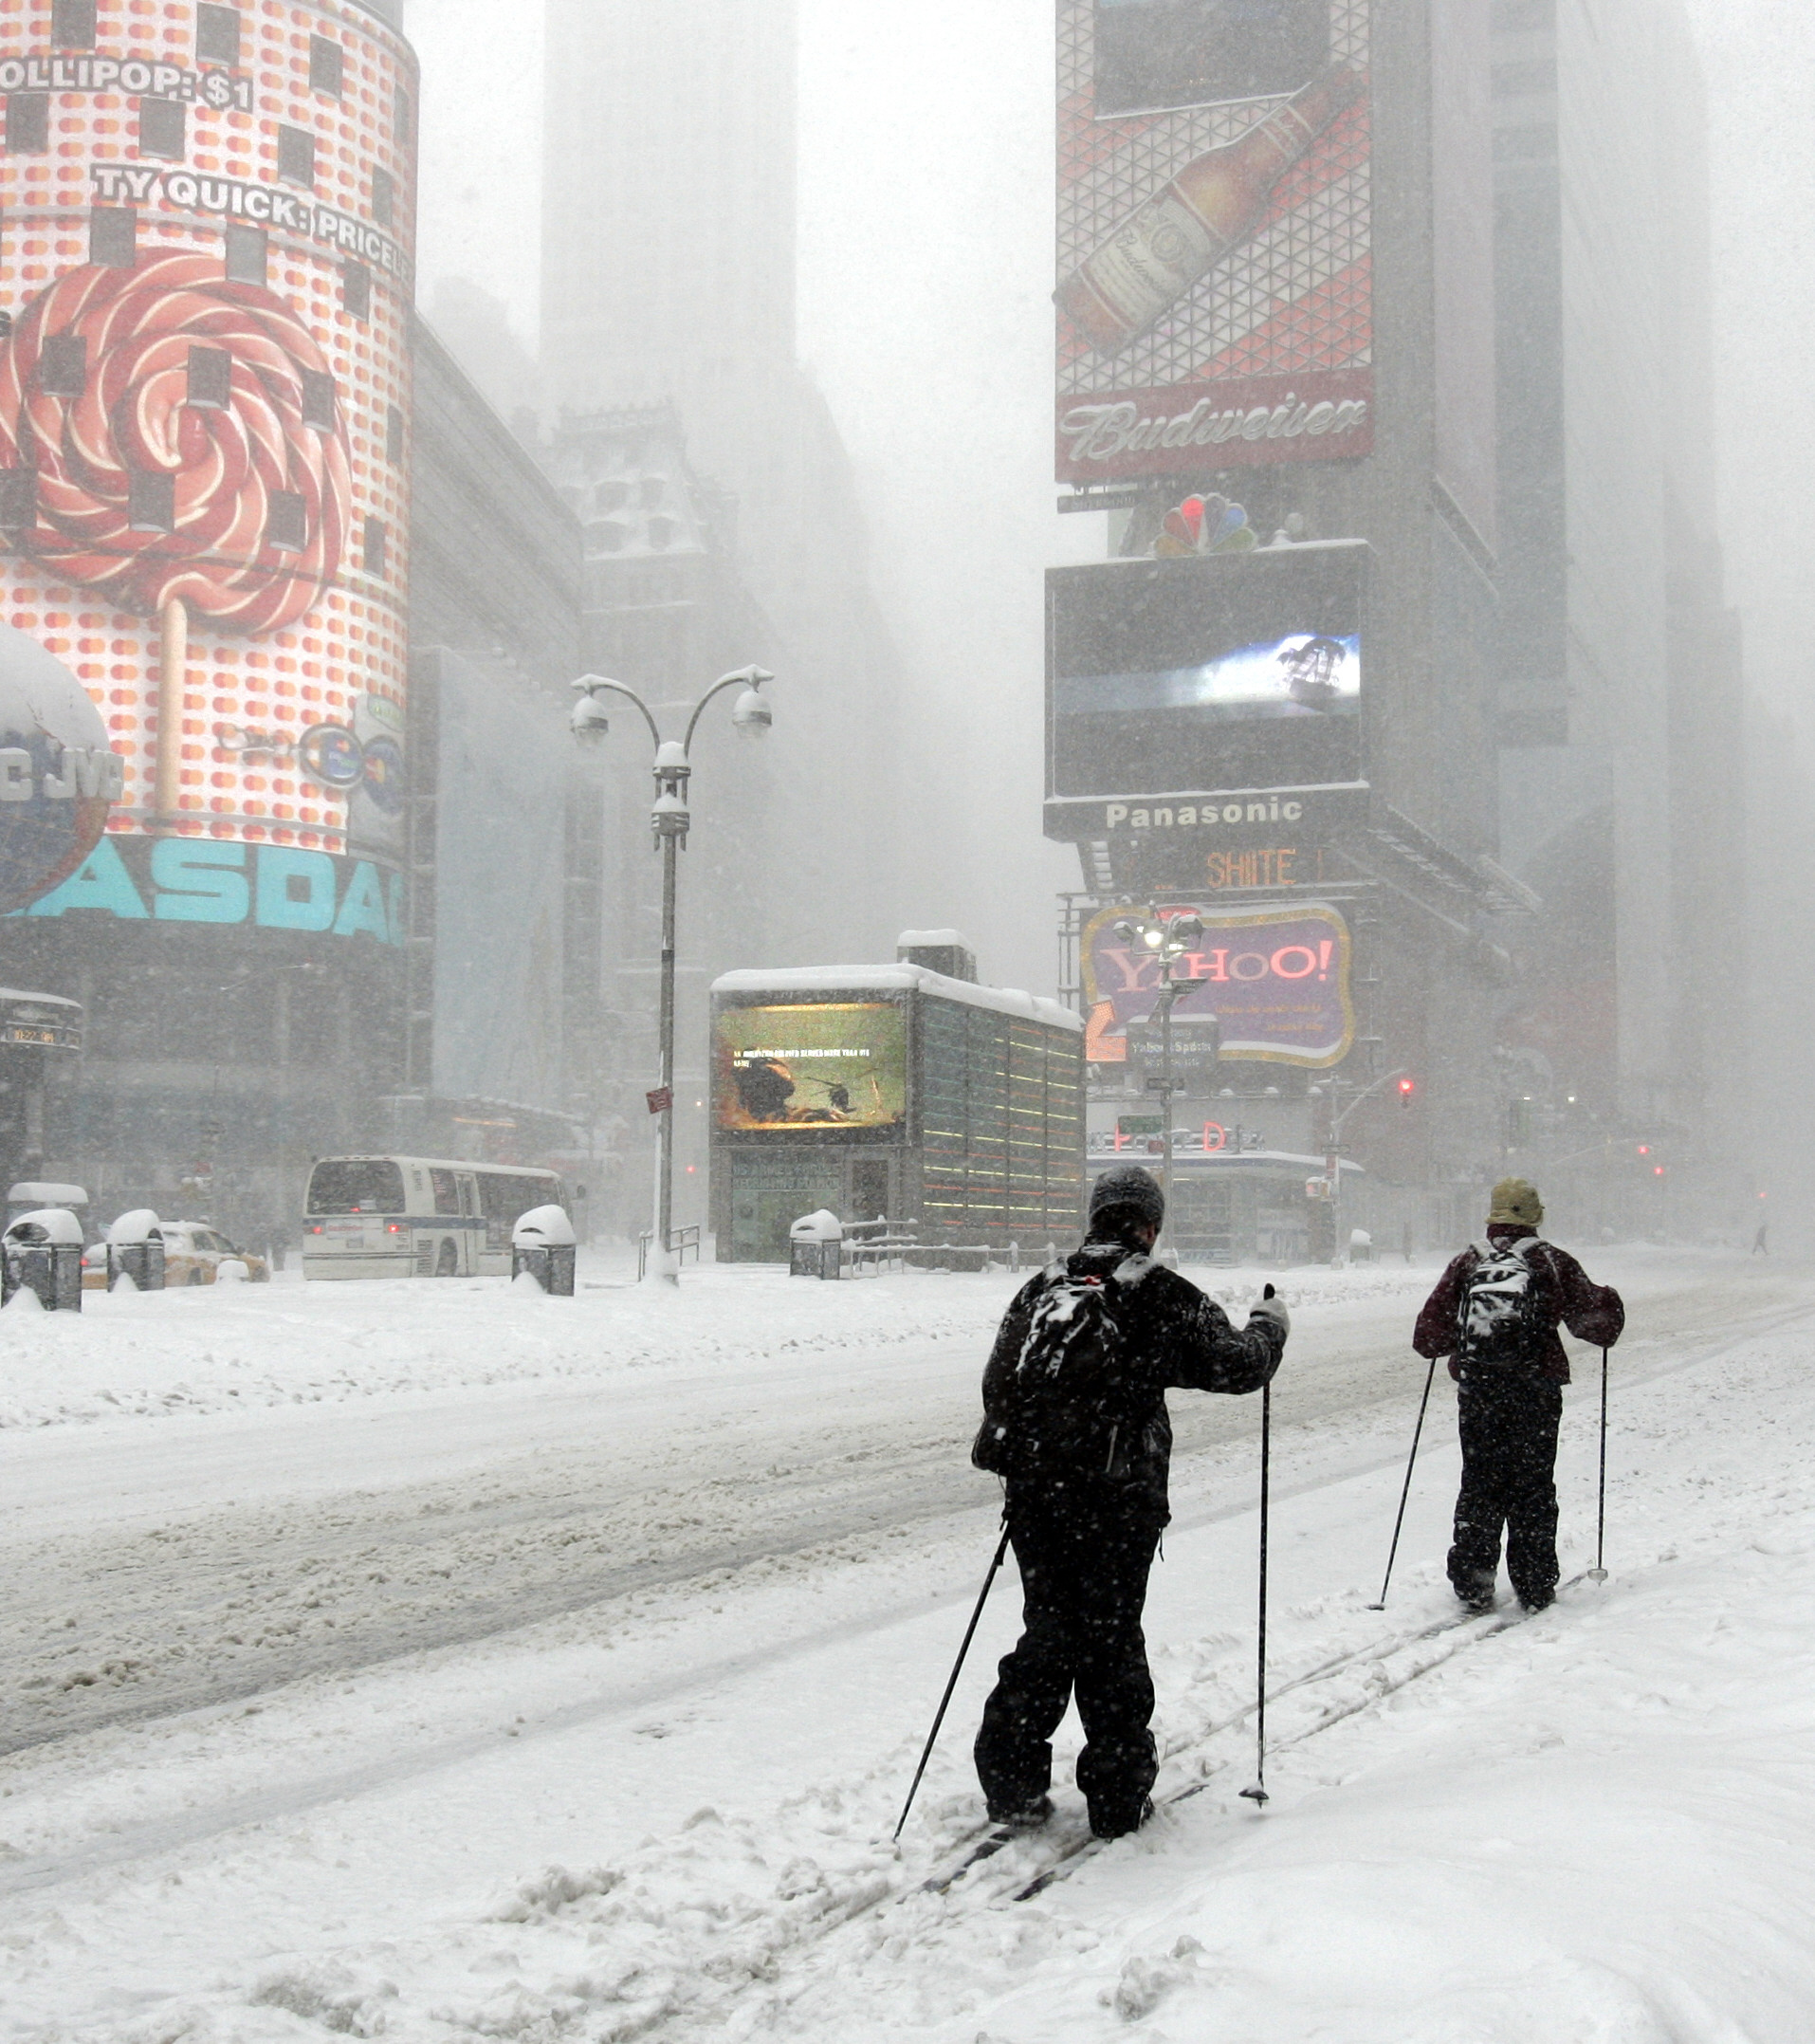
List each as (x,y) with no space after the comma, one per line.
(439,1661)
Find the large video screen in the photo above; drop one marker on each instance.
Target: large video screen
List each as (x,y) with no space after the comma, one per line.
(1161,53)
(825,1066)
(1198,676)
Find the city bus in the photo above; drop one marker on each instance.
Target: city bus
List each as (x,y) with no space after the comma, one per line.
(417,1217)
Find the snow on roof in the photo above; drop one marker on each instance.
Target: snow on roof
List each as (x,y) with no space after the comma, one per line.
(45,1192)
(927,940)
(898,980)
(49,1000)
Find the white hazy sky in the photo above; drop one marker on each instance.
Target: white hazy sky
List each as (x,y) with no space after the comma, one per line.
(926,216)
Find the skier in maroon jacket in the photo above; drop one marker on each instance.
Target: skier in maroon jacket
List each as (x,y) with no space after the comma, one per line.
(1510,1400)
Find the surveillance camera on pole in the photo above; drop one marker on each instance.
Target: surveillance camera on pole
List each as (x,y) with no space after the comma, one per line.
(750,714)
(588,721)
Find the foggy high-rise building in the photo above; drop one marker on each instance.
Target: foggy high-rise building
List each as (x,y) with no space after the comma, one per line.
(669,230)
(668,279)
(1621,698)
(668,275)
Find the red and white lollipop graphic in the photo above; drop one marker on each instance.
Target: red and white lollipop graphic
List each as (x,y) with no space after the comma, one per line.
(187,442)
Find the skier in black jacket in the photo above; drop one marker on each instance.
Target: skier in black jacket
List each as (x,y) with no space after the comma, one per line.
(1084,1536)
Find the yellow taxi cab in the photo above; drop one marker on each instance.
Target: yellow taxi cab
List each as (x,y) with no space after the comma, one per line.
(193,1253)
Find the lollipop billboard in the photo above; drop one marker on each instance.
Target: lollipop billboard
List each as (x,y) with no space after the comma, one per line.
(206,229)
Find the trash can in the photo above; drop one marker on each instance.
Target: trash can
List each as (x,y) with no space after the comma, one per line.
(815,1246)
(541,1246)
(42,1253)
(136,1250)
(1361,1246)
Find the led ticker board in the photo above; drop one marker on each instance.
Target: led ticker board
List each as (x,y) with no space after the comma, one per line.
(1200,678)
(833,1067)
(1154,55)
(206,216)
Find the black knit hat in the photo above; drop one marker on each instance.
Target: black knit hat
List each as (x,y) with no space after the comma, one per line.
(1129,1185)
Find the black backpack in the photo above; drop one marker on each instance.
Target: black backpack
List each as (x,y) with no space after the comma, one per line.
(1069,1408)
(1497,1322)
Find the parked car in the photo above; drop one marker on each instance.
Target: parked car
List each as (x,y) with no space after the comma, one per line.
(193,1253)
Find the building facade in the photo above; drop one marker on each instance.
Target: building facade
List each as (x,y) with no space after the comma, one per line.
(1549,839)
(227,245)
(1365,303)
(505,934)
(1622,701)
(669,281)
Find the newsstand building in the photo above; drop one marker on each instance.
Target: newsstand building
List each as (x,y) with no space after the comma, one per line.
(952,1111)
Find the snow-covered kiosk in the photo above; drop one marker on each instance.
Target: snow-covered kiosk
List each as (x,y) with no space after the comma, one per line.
(953,1111)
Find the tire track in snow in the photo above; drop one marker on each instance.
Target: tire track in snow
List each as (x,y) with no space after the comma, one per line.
(197,1616)
(133,1844)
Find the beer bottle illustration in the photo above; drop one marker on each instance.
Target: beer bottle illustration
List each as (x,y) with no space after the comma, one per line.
(1207,211)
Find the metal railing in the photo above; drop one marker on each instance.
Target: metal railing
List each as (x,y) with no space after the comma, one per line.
(872,1246)
(683,1243)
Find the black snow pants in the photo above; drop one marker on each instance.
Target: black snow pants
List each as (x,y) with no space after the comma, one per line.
(1508,1426)
(1084,1580)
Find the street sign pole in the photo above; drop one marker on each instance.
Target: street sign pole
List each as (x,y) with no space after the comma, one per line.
(1169,992)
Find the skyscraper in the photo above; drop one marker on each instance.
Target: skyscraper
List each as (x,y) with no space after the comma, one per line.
(668,275)
(668,237)
(1621,683)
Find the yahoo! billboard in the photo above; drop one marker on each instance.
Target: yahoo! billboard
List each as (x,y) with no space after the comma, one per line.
(1277,982)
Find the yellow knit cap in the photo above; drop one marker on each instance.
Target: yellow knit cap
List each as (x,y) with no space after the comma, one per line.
(1515,1204)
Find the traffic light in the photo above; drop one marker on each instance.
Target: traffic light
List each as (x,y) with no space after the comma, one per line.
(1408,1087)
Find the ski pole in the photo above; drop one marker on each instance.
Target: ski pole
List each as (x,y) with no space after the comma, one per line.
(1598,1574)
(926,1753)
(1258,1794)
(1400,1523)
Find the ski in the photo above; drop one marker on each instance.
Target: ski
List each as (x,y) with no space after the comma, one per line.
(1486,1624)
(1073,1852)
(991,1843)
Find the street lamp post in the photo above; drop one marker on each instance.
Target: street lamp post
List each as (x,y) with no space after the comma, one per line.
(1169,992)
(669,819)
(1169,939)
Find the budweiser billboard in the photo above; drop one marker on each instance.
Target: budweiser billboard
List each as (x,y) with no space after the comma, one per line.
(1215,304)
(203,420)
